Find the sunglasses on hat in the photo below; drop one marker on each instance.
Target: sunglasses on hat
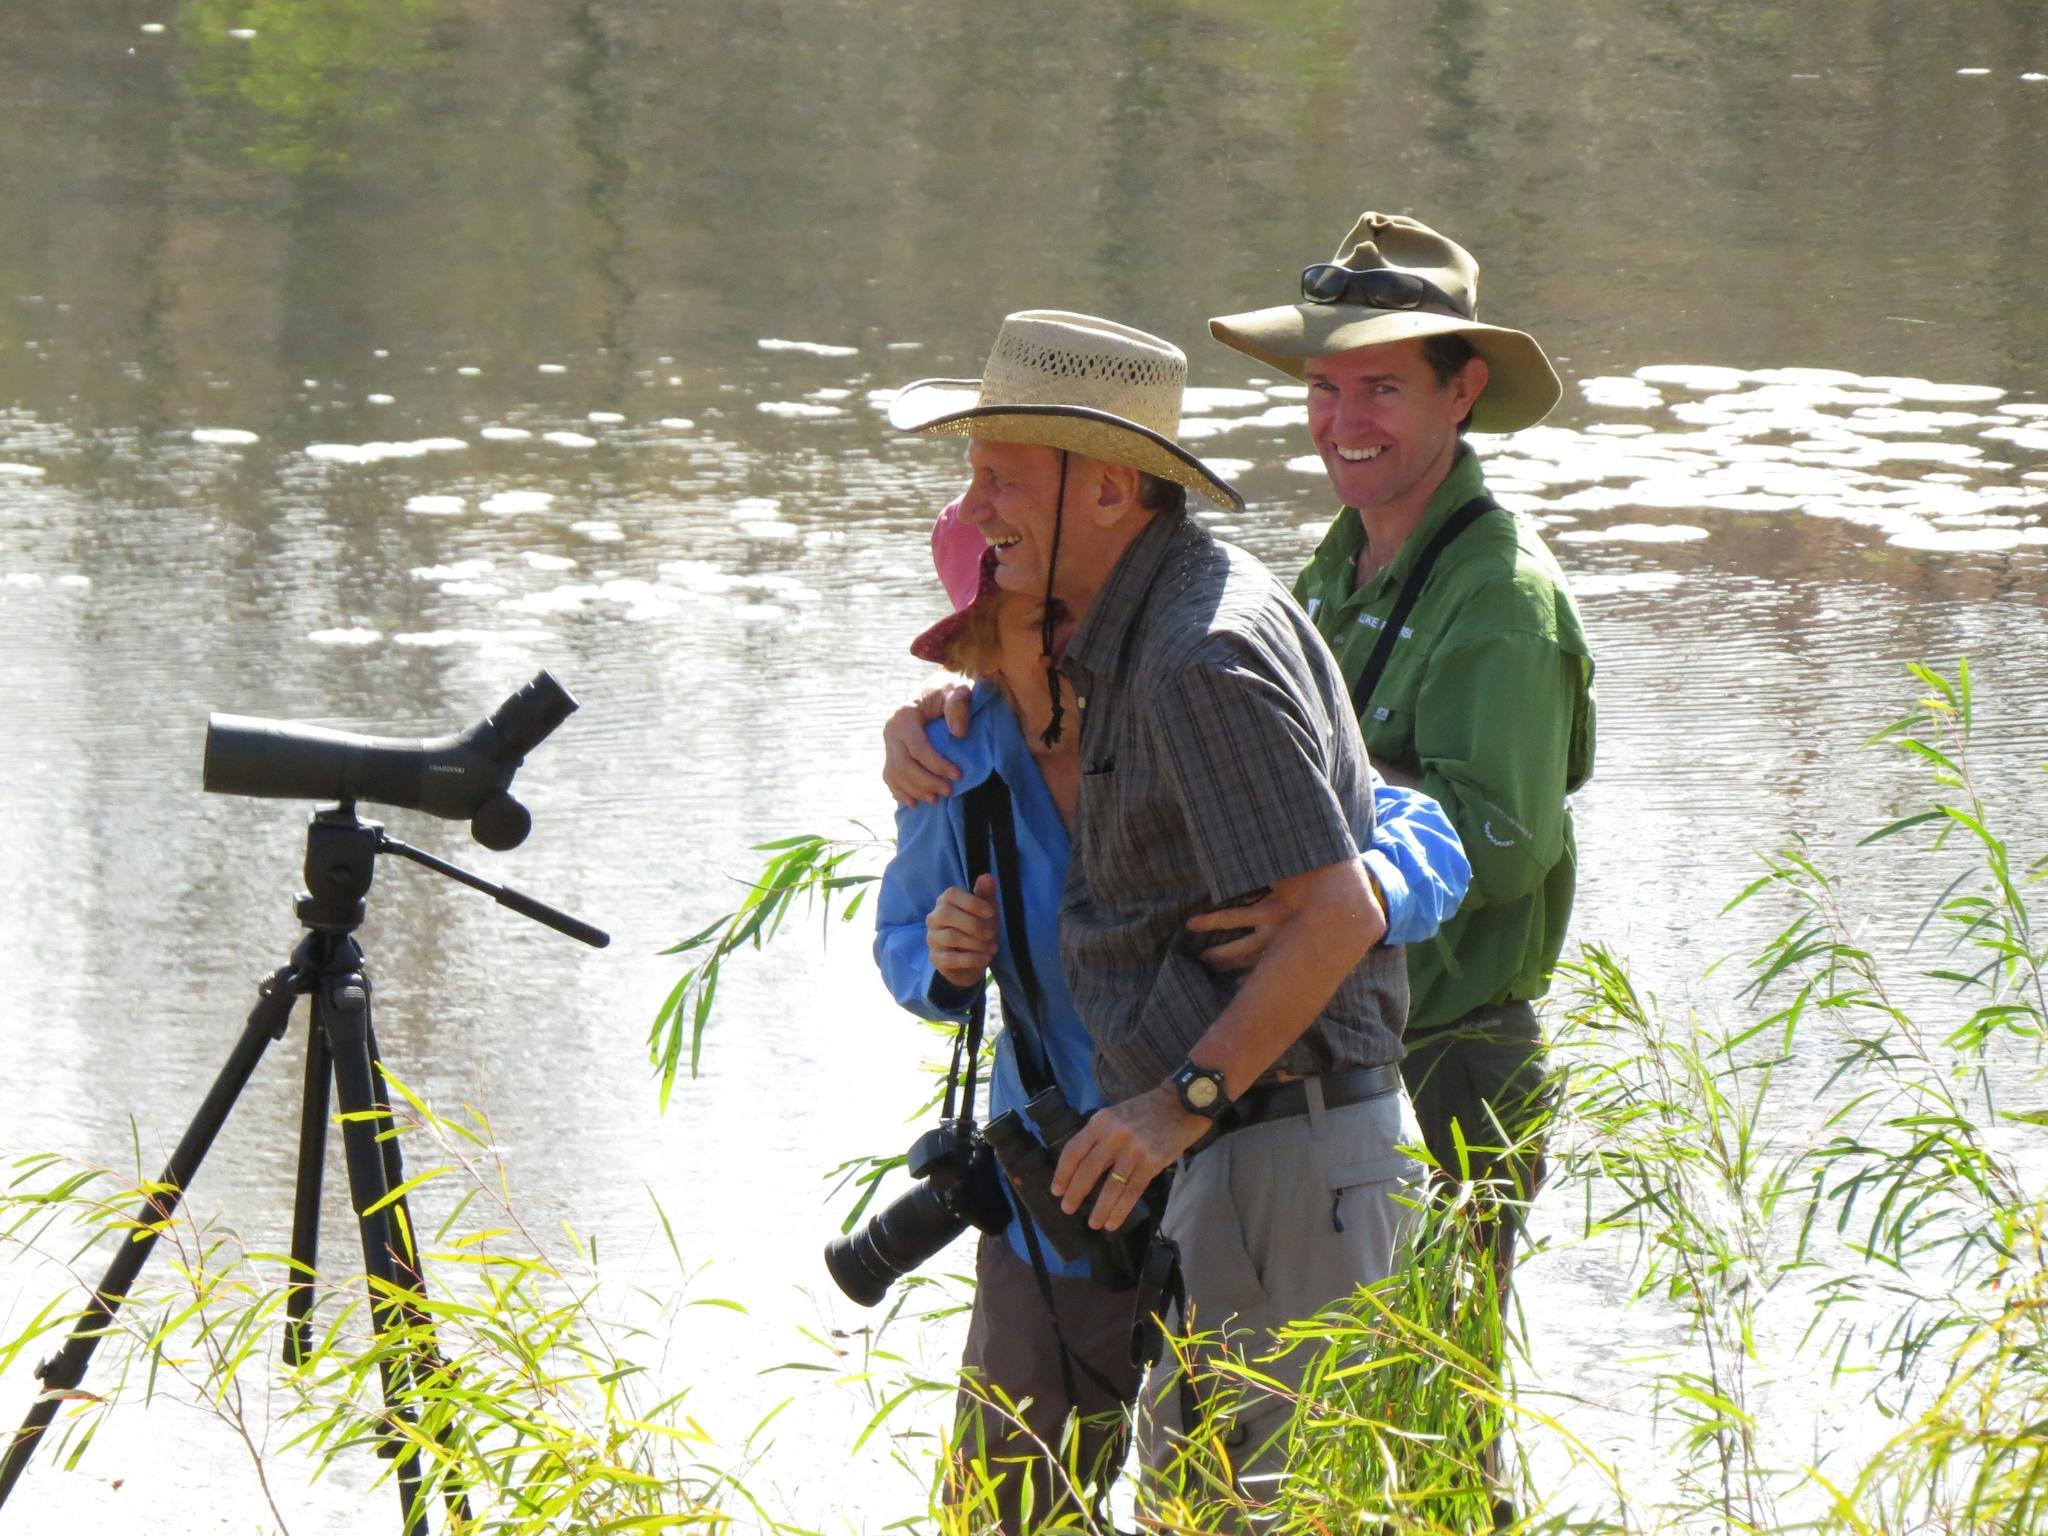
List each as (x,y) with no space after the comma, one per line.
(1379,287)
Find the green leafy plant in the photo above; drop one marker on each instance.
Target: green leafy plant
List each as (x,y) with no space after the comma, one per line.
(505,1374)
(1881,1239)
(808,868)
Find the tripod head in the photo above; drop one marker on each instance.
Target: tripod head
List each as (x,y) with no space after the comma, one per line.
(341,861)
(463,776)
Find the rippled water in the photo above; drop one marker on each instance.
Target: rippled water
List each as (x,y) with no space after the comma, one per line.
(353,369)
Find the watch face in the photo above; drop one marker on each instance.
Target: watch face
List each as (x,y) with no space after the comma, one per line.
(1201,1092)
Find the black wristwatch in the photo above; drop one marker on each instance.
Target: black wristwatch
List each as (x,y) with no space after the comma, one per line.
(1201,1091)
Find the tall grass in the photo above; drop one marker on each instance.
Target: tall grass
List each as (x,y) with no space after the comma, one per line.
(517,1388)
(1829,1189)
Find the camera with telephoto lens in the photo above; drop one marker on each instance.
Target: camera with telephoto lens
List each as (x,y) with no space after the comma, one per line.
(957,1187)
(1116,1259)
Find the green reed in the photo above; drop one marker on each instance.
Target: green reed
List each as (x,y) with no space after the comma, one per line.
(1892,1252)
(525,1401)
(807,868)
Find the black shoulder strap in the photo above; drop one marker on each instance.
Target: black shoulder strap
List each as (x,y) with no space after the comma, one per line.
(1376,663)
(990,824)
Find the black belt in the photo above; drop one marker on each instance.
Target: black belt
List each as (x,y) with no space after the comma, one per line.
(1281,1101)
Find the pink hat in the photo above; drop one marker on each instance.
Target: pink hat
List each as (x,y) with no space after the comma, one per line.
(966,564)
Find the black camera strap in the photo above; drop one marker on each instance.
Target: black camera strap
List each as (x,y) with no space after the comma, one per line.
(1070,1359)
(990,824)
(1411,589)
(966,1053)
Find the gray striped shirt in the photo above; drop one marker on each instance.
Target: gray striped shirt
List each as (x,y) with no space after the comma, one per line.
(1218,755)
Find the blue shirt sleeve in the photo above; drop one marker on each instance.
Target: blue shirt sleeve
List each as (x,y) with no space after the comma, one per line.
(927,861)
(1418,861)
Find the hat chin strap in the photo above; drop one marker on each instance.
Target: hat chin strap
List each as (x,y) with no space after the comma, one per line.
(1051,735)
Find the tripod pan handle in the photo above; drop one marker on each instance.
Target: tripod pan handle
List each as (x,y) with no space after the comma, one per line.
(561,922)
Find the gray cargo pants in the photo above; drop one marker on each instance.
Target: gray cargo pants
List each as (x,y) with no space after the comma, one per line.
(1274,1223)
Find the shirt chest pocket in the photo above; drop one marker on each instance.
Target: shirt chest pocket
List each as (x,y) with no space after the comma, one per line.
(1129,823)
(1389,735)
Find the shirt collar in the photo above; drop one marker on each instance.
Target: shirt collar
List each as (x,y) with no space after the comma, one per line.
(1099,640)
(1463,482)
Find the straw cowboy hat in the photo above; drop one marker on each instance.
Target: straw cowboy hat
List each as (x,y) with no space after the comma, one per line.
(1521,385)
(1068,381)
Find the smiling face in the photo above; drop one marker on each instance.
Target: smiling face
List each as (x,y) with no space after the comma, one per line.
(1012,500)
(1385,428)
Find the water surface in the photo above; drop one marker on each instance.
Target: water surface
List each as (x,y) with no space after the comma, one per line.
(356,360)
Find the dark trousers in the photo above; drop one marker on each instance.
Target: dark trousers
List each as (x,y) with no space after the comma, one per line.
(1012,1355)
(1485,1072)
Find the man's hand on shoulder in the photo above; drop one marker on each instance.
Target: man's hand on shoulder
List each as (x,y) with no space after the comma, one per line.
(915,771)
(1123,1148)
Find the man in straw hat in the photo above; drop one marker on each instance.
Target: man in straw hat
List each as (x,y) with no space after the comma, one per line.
(1480,689)
(1219,759)
(1049,1336)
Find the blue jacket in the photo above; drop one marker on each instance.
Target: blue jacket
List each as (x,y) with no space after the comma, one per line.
(1415,856)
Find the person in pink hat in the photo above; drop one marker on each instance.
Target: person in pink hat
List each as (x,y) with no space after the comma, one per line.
(1044,1333)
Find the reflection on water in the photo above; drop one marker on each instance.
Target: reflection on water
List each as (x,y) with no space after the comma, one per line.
(357,359)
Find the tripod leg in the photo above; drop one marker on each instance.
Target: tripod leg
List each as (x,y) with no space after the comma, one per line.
(341,1011)
(405,1251)
(63,1372)
(298,1299)
(405,1255)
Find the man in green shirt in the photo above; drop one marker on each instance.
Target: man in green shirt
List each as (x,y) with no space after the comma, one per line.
(1484,698)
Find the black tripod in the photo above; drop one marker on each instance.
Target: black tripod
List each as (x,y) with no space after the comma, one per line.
(327,966)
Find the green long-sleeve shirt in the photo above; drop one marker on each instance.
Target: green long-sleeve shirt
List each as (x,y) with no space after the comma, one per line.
(1487,697)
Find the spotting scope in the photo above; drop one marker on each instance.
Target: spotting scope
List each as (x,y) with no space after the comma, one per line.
(463,777)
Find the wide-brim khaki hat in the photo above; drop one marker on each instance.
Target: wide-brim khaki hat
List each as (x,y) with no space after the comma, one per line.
(1074,382)
(1521,386)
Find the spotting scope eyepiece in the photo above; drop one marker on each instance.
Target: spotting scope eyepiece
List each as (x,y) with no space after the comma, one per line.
(463,777)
